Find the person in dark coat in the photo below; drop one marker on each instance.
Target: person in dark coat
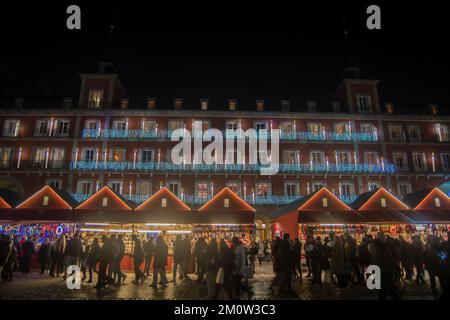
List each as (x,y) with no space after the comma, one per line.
(405,258)
(276,265)
(417,258)
(149,248)
(432,260)
(92,257)
(211,256)
(44,256)
(297,250)
(186,253)
(287,265)
(383,255)
(160,262)
(138,258)
(5,252)
(118,260)
(57,249)
(178,258)
(199,254)
(73,252)
(104,258)
(317,257)
(28,252)
(226,263)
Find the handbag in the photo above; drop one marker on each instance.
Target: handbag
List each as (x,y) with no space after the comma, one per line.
(220,277)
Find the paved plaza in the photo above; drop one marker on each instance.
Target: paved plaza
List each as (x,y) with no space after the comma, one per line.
(37,286)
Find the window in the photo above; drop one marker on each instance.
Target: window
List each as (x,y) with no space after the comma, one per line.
(437,202)
(364,103)
(201,124)
(148,125)
(232,105)
(317,157)
(143,187)
(38,156)
(232,124)
(444,133)
(383,202)
(260,125)
(317,185)
(116,185)
(45,201)
(414,133)
(57,157)
(120,125)
(372,186)
(325,202)
(92,125)
(263,189)
(344,157)
(395,132)
(420,161)
(84,187)
(62,128)
(367,128)
(400,160)
(371,158)
(290,156)
(234,186)
(117,154)
(54,183)
(11,128)
(291,189)
(88,154)
(174,187)
(164,202)
(226,203)
(287,127)
(404,188)
(175,124)
(260,105)
(42,127)
(312,106)
(95,98)
(201,190)
(315,128)
(6,156)
(104,201)
(347,189)
(204,104)
(341,127)
(445,161)
(146,155)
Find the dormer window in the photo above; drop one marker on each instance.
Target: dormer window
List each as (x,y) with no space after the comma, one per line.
(389,108)
(312,106)
(95,98)
(124,102)
(285,105)
(151,103)
(434,109)
(178,104)
(364,103)
(232,104)
(260,105)
(204,104)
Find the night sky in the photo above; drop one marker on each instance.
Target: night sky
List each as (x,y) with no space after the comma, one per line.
(222,50)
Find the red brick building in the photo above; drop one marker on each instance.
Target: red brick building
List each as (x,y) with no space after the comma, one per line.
(101,140)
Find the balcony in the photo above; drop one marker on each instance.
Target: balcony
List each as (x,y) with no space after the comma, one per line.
(112,166)
(192,200)
(284,136)
(35,165)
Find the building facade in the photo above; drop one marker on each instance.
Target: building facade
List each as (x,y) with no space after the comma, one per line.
(357,147)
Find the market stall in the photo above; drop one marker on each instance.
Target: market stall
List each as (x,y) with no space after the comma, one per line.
(224,216)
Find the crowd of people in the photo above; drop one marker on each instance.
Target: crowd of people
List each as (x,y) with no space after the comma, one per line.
(342,261)
(225,266)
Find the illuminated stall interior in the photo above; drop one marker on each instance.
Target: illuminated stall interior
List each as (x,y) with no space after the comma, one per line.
(224,216)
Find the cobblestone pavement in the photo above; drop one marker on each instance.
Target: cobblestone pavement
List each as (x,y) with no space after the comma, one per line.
(36,286)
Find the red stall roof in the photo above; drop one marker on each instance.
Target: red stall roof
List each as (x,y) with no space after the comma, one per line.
(163,200)
(379,200)
(429,200)
(105,199)
(47,198)
(322,200)
(4,204)
(225,207)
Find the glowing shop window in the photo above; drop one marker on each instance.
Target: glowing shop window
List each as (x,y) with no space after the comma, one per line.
(325,202)
(164,202)
(437,202)
(45,201)
(383,202)
(226,203)
(104,202)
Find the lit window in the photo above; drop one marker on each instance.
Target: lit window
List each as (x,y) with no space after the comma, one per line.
(383,202)
(260,105)
(226,203)
(263,189)
(105,202)
(437,202)
(164,202)
(11,128)
(364,103)
(62,128)
(232,105)
(325,202)
(204,104)
(45,201)
(95,98)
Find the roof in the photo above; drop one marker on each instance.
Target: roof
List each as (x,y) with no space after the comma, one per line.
(235,203)
(391,203)
(92,203)
(57,199)
(293,206)
(420,200)
(154,203)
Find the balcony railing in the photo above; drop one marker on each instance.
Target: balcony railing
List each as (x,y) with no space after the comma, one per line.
(34,164)
(227,168)
(192,200)
(284,136)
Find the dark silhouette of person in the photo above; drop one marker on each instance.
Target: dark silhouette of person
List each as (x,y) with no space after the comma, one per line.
(138,258)
(149,248)
(28,251)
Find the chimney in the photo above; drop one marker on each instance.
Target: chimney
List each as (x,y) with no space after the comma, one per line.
(18,103)
(434,109)
(178,104)
(285,105)
(67,103)
(151,103)
(124,103)
(204,104)
(260,105)
(232,104)
(389,108)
